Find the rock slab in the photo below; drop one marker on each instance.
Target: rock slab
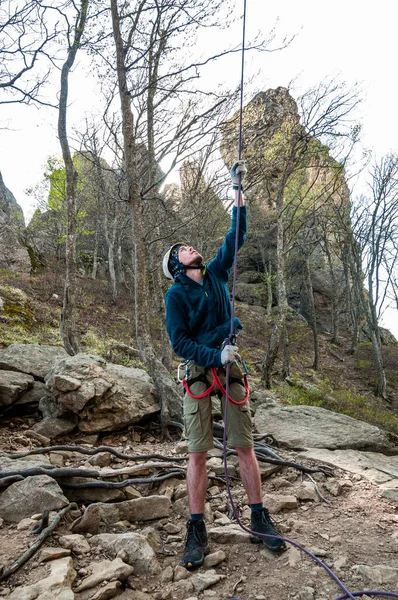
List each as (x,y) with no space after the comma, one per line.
(30,496)
(13,385)
(55,587)
(302,427)
(140,509)
(135,548)
(373,466)
(32,359)
(106,570)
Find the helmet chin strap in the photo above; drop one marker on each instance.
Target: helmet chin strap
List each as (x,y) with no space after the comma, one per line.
(201,266)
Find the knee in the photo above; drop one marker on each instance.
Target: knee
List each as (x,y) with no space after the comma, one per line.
(246,453)
(198,459)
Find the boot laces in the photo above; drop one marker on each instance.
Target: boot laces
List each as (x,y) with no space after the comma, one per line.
(195,535)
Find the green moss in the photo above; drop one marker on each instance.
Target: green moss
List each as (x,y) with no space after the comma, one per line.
(92,344)
(17,334)
(245,356)
(364,364)
(342,401)
(297,396)
(16,308)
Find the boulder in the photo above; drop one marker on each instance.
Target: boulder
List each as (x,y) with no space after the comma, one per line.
(19,464)
(47,553)
(13,385)
(104,571)
(89,522)
(390,490)
(250,277)
(136,550)
(33,359)
(107,591)
(75,542)
(387,338)
(252,293)
(34,394)
(104,396)
(30,496)
(52,428)
(230,534)
(15,307)
(140,509)
(377,574)
(277,503)
(56,586)
(92,494)
(301,427)
(202,581)
(214,559)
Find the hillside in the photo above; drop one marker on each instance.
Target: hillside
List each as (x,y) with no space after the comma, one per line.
(345,516)
(344,382)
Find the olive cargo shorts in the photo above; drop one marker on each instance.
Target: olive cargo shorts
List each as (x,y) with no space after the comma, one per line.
(198,412)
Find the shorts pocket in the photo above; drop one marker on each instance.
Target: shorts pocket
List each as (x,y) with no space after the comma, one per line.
(193,425)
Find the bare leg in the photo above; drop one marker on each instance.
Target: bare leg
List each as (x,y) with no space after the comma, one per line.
(250,474)
(197,482)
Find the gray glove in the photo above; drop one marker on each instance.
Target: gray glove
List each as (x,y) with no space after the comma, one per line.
(239,168)
(229,354)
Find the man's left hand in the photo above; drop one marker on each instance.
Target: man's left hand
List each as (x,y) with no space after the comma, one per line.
(238,172)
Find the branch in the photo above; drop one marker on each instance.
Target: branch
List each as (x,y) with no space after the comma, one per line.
(36,545)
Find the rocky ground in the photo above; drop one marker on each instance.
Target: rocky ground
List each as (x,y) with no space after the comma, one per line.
(132,549)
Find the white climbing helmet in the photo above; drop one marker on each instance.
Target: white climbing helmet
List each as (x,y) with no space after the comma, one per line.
(166,257)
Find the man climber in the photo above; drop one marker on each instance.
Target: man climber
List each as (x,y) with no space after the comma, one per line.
(198,315)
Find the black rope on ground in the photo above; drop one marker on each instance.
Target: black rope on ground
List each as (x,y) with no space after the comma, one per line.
(81,450)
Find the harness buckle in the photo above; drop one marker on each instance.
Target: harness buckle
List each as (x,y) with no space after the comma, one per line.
(229,341)
(183,365)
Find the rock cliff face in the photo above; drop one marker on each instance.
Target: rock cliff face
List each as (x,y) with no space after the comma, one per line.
(13,255)
(282,155)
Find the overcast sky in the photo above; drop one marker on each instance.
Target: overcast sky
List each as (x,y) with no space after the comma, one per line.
(354,40)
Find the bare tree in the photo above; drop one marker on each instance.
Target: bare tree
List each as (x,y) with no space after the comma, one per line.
(161,117)
(170,398)
(373,252)
(27,52)
(68,326)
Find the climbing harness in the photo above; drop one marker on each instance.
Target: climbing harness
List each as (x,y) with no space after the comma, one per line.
(231,340)
(217,383)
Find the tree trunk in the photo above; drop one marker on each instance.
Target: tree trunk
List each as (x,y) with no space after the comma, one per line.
(269,290)
(311,309)
(68,325)
(153,188)
(371,321)
(121,278)
(279,325)
(110,234)
(95,255)
(334,295)
(286,354)
(170,399)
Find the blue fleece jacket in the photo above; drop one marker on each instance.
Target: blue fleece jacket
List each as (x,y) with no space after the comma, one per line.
(198,316)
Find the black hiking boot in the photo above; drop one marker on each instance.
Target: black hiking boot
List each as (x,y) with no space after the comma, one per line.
(261,523)
(196,545)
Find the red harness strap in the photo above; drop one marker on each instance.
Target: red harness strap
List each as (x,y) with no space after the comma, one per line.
(217,382)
